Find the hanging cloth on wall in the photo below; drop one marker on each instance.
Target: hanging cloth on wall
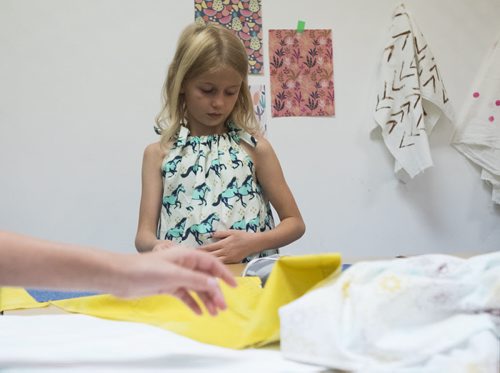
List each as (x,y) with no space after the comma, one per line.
(410,96)
(478,131)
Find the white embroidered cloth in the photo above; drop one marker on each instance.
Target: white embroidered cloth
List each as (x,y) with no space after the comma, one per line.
(478,133)
(410,96)
(430,313)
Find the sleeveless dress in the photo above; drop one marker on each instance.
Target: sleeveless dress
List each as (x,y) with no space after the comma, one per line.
(209,184)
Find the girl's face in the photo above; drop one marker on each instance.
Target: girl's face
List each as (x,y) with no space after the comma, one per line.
(210,99)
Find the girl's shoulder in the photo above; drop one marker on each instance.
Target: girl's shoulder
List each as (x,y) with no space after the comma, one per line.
(157,151)
(262,144)
(260,151)
(251,137)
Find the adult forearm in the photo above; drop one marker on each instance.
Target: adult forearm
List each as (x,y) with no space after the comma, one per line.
(30,262)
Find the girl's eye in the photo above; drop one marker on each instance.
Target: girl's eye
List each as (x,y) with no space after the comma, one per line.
(230,93)
(207,90)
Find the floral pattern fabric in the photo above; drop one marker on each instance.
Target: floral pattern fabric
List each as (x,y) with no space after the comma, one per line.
(301,73)
(244,17)
(210,185)
(258,93)
(428,313)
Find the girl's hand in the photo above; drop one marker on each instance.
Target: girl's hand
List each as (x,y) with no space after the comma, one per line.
(233,245)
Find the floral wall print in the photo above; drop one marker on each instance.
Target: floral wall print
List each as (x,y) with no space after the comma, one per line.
(258,93)
(301,66)
(244,17)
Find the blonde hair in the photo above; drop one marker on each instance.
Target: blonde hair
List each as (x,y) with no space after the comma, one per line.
(200,49)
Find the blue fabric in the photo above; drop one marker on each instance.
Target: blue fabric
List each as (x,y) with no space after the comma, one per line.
(345,266)
(41,295)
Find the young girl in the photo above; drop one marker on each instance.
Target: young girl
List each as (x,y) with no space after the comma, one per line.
(209,180)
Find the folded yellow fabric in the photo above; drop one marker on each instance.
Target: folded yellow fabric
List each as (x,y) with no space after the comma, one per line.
(252,315)
(18,298)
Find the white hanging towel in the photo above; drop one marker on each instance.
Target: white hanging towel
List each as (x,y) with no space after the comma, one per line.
(478,132)
(425,314)
(410,96)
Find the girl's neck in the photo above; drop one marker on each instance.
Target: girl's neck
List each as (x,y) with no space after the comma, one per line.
(207,131)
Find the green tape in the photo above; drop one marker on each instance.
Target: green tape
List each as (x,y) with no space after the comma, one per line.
(301,25)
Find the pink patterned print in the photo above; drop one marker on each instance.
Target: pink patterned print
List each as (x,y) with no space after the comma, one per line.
(301,67)
(244,17)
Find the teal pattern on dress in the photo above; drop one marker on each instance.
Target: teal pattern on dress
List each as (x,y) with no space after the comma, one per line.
(209,184)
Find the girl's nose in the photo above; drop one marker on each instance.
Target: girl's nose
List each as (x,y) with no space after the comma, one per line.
(218,101)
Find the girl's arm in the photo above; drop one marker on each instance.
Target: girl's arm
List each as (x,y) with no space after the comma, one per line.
(151,200)
(31,262)
(276,190)
(234,245)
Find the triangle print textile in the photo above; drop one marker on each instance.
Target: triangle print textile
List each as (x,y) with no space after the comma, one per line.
(243,17)
(478,134)
(301,66)
(410,96)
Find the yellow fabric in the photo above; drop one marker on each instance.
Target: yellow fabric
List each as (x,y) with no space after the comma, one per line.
(252,315)
(18,298)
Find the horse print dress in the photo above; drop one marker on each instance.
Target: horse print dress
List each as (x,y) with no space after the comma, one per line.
(209,184)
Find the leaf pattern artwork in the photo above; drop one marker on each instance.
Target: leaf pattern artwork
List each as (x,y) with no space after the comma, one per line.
(244,17)
(301,66)
(258,93)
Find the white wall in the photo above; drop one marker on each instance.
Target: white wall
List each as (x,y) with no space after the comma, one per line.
(80,85)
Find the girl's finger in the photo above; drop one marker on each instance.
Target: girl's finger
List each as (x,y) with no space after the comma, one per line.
(221,234)
(210,247)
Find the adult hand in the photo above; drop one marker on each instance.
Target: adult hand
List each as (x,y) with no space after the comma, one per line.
(176,271)
(163,244)
(233,245)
